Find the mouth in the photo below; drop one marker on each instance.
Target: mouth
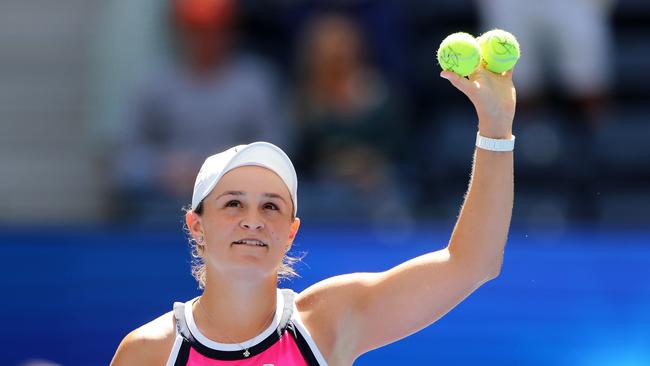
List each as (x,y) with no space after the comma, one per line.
(250,242)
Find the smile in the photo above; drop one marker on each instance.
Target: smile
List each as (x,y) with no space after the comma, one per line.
(250,242)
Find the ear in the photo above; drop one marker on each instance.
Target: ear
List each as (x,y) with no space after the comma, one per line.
(295,225)
(193,222)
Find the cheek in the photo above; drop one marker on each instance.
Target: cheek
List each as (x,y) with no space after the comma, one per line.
(221,225)
(280,232)
(219,232)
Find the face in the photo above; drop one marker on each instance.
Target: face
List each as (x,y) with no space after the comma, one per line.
(249,206)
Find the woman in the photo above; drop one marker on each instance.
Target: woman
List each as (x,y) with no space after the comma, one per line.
(243,221)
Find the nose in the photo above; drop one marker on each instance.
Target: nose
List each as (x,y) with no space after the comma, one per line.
(252,222)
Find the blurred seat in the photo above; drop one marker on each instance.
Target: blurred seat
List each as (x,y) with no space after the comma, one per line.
(631,19)
(627,205)
(447,141)
(542,144)
(632,72)
(621,145)
(548,206)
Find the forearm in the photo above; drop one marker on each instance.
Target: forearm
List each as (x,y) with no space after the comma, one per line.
(481,230)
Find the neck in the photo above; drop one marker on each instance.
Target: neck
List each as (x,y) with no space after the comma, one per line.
(236,311)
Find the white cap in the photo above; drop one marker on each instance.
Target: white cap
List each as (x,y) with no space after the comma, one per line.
(262,154)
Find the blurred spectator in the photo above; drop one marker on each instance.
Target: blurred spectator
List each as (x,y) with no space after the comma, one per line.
(571,39)
(352,126)
(212,98)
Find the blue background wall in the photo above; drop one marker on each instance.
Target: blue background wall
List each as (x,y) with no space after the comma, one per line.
(579,297)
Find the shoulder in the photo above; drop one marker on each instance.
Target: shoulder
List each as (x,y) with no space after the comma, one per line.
(332,296)
(149,344)
(326,310)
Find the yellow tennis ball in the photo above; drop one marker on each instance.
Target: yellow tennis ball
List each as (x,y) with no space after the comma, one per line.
(460,53)
(499,50)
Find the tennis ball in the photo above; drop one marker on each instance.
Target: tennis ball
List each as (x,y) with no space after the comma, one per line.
(460,53)
(499,50)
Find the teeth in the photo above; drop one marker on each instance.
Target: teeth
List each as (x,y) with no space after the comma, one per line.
(251,242)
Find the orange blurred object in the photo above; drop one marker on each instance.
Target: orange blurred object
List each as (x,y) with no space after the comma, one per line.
(204,13)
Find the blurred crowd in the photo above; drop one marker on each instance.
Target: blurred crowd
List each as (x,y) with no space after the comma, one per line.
(350,91)
(330,105)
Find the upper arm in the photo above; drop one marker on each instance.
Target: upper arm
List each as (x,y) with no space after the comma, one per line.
(375,309)
(131,351)
(149,344)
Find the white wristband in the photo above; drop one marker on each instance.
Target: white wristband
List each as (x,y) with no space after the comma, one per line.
(487,143)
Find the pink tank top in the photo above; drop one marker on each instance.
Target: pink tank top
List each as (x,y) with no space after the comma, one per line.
(286,342)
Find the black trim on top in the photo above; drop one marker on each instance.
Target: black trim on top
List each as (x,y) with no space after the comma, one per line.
(183,354)
(189,341)
(235,355)
(303,346)
(300,340)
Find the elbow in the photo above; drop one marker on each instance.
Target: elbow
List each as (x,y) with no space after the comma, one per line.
(487,276)
(494,270)
(482,270)
(486,273)
(494,273)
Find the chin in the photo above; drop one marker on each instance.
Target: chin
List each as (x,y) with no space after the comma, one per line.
(249,268)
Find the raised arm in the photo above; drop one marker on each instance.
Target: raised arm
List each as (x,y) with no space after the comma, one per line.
(369,310)
(481,231)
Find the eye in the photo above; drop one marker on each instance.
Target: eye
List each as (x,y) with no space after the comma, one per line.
(271,206)
(233,203)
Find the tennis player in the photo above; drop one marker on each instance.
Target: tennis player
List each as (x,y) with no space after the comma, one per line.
(243,221)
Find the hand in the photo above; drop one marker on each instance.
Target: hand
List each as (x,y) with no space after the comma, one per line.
(494,98)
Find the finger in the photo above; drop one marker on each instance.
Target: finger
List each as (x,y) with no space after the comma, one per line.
(458,81)
(478,73)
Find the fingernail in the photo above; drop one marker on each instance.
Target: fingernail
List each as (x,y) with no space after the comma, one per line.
(444,76)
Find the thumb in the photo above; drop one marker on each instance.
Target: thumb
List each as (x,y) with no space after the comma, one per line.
(462,84)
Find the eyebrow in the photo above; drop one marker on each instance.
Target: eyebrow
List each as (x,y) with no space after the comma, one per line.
(240,193)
